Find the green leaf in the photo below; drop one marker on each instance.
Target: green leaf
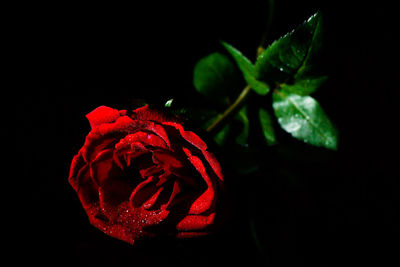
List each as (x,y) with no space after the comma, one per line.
(266,126)
(305,86)
(242,138)
(247,69)
(310,66)
(288,57)
(222,135)
(212,75)
(303,118)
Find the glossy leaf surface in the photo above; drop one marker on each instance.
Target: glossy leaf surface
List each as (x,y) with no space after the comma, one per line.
(247,69)
(305,86)
(287,58)
(303,118)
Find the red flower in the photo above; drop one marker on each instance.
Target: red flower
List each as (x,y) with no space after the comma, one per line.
(142,174)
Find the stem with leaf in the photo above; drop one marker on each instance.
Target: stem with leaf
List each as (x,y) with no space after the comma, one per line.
(230,111)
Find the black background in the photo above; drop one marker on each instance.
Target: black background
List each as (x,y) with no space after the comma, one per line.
(310,207)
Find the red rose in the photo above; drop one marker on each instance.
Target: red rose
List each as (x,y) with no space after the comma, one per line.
(142,174)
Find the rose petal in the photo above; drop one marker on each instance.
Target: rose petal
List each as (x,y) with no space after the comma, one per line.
(87,190)
(81,181)
(145,113)
(152,200)
(102,115)
(143,192)
(104,136)
(163,178)
(214,164)
(157,129)
(102,167)
(147,127)
(167,160)
(206,200)
(78,162)
(147,139)
(175,191)
(151,171)
(195,222)
(114,186)
(121,126)
(189,136)
(94,146)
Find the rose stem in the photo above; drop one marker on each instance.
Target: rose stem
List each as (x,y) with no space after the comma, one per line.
(230,111)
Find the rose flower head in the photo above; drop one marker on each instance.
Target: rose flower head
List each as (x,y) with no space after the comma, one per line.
(141,174)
